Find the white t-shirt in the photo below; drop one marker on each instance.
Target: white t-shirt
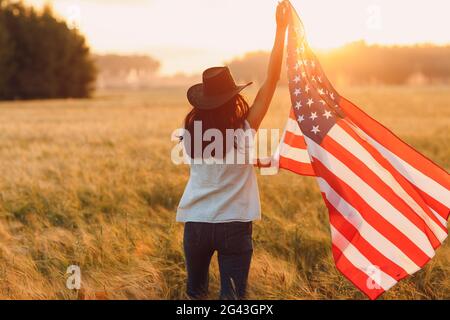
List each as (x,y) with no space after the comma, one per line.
(218,193)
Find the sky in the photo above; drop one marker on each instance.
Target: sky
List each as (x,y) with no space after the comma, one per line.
(190,35)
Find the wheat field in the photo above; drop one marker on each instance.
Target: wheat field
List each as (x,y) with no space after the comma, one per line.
(90,183)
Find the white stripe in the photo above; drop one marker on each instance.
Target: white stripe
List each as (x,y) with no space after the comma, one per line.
(357,259)
(347,142)
(369,233)
(422,181)
(439,217)
(377,202)
(293,127)
(296,154)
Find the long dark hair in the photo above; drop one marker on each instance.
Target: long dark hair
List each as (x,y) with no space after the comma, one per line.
(231,115)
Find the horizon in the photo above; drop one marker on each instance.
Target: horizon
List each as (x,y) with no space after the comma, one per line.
(373,21)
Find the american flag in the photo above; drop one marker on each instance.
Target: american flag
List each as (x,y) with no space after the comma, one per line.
(388,204)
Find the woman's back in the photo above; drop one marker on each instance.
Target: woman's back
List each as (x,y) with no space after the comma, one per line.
(220,193)
(223,192)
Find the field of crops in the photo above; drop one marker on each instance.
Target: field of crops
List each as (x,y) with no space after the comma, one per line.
(91,183)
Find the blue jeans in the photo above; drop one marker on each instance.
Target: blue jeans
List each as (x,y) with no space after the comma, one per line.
(233,243)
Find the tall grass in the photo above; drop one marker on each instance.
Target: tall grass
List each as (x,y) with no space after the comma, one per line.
(90,183)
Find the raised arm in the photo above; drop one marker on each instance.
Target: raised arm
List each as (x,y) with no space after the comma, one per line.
(262,101)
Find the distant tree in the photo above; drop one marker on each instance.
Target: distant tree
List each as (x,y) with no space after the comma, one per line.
(6,54)
(362,63)
(359,63)
(116,71)
(42,56)
(251,67)
(115,65)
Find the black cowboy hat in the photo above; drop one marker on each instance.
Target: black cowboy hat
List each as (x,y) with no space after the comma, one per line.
(218,88)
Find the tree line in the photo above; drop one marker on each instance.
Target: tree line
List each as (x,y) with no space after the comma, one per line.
(359,63)
(125,71)
(117,65)
(356,64)
(40,56)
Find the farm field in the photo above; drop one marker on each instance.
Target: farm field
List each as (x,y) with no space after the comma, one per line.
(91,183)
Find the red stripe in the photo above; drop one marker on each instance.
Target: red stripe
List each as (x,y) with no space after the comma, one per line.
(390,141)
(369,177)
(294,140)
(292,115)
(371,216)
(441,209)
(356,276)
(407,186)
(366,248)
(301,168)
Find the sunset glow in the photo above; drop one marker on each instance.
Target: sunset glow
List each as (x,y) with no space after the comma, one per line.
(188,36)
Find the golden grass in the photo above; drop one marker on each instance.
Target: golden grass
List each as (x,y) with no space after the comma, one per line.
(90,183)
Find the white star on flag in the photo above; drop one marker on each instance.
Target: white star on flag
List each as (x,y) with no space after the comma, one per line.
(313,116)
(301,119)
(298,105)
(310,102)
(297,92)
(315,129)
(327,114)
(297,79)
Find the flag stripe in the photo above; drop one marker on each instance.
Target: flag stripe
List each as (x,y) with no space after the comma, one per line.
(409,188)
(389,141)
(437,208)
(292,126)
(366,230)
(294,140)
(416,177)
(293,155)
(370,196)
(386,195)
(297,167)
(299,155)
(362,163)
(376,220)
(356,258)
(355,275)
(437,215)
(352,235)
(292,116)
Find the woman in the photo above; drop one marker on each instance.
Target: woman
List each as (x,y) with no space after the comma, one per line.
(221,200)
